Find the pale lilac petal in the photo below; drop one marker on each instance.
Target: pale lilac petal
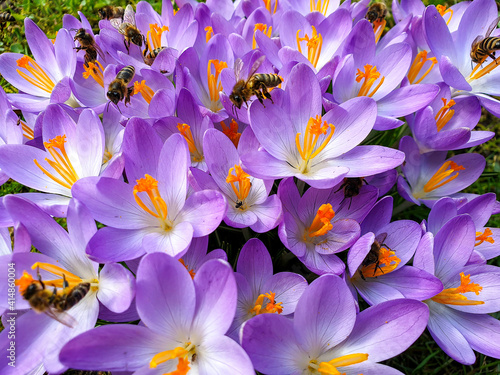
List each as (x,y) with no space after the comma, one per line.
(116,287)
(174,242)
(269,214)
(365,161)
(115,245)
(204,210)
(255,263)
(221,356)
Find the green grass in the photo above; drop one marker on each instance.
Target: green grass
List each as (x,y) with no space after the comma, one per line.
(424,357)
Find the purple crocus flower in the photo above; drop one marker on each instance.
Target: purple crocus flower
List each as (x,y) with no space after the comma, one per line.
(431,177)
(261,292)
(72,151)
(10,131)
(326,336)
(155,213)
(44,79)
(39,337)
(321,223)
(319,150)
(377,261)
(185,322)
(248,201)
(459,320)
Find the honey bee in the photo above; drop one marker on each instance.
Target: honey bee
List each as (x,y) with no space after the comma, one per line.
(126,27)
(4,18)
(482,47)
(351,187)
(256,84)
(238,204)
(108,12)
(88,45)
(373,256)
(55,303)
(118,89)
(376,12)
(150,57)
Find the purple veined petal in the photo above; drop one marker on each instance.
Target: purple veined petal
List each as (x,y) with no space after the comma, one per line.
(56,122)
(444,210)
(90,146)
(438,36)
(403,237)
(270,342)
(369,160)
(359,251)
(359,206)
(295,21)
(122,347)
(221,355)
(116,287)
(165,281)
(115,245)
(61,92)
(64,53)
(289,196)
(386,123)
(379,216)
(40,46)
(375,292)
(322,264)
(343,234)
(411,168)
(240,219)
(424,255)
(405,100)
(324,175)
(216,295)
(204,210)
(174,242)
(261,164)
(479,208)
(453,245)
(399,322)
(361,43)
(369,368)
(288,287)
(269,214)
(451,75)
(449,338)
(255,264)
(141,147)
(489,250)
(291,233)
(405,191)
(344,87)
(325,301)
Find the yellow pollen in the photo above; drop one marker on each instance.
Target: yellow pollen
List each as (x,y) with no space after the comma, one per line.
(387,262)
(185,130)
(231,132)
(180,353)
(445,114)
(243,181)
(442,11)
(94,70)
(370,76)
(418,64)
(378,28)
(314,45)
(267,3)
(149,186)
(485,236)
(330,367)
(107,155)
(443,176)
(61,163)
(27,131)
(155,33)
(478,73)
(191,271)
(454,296)
(209,33)
(321,223)
(315,127)
(214,84)
(270,308)
(144,89)
(40,79)
(262,27)
(318,6)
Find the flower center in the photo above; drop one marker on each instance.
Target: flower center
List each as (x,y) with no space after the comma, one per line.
(214,84)
(153,36)
(308,150)
(370,75)
(314,45)
(417,65)
(231,132)
(144,89)
(445,113)
(182,354)
(61,163)
(185,130)
(454,296)
(262,27)
(443,11)
(441,177)
(149,186)
(330,367)
(321,223)
(485,236)
(318,6)
(244,184)
(378,28)
(267,3)
(270,308)
(106,156)
(39,78)
(191,271)
(94,70)
(209,33)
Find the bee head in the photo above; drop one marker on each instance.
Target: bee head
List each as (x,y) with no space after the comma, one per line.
(114,96)
(236,100)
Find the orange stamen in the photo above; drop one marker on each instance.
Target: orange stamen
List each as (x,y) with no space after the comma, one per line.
(485,236)
(149,186)
(27,131)
(321,223)
(445,114)
(314,45)
(378,28)
(370,76)
(191,271)
(94,70)
(330,367)
(267,3)
(270,308)
(442,11)
(214,84)
(443,176)
(318,6)
(154,34)
(243,181)
(231,132)
(209,33)
(40,79)
(262,27)
(418,64)
(182,354)
(185,130)
(454,296)
(145,90)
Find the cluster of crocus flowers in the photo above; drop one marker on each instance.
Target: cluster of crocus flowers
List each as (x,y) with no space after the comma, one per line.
(234,236)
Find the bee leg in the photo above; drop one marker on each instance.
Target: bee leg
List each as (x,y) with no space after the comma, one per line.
(492,55)
(341,187)
(361,274)
(40,277)
(126,46)
(266,93)
(65,282)
(260,97)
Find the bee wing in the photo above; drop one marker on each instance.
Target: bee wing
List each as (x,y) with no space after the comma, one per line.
(61,317)
(238,66)
(116,23)
(476,41)
(99,51)
(381,238)
(129,15)
(256,65)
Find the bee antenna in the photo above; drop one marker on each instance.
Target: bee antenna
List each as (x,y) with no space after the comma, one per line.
(118,109)
(107,105)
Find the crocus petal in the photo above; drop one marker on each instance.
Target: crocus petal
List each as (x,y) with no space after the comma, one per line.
(115,245)
(222,355)
(116,287)
(369,160)
(255,263)
(204,210)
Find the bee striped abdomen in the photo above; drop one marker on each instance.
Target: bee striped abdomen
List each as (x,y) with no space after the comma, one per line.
(485,48)
(268,80)
(126,74)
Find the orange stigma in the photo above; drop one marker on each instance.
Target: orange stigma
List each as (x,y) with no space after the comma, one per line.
(191,271)
(153,36)
(231,132)
(244,185)
(149,186)
(454,296)
(182,354)
(262,27)
(209,33)
(61,163)
(486,236)
(39,78)
(321,223)
(94,70)
(417,65)
(443,11)
(445,113)
(314,45)
(270,308)
(370,75)
(145,90)
(214,84)
(185,130)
